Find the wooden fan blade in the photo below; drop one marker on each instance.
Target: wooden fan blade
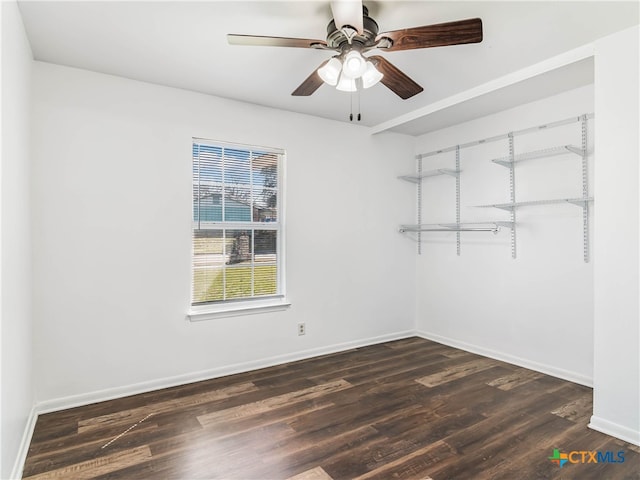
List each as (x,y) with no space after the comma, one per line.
(347,12)
(394,79)
(439,35)
(255,40)
(311,84)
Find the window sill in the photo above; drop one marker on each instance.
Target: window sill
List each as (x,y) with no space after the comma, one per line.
(210,312)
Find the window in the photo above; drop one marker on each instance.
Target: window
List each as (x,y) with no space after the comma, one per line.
(237,227)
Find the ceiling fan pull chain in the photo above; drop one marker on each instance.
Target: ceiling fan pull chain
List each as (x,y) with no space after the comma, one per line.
(351,106)
(359,116)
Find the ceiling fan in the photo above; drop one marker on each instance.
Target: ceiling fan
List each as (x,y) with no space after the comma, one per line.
(351,33)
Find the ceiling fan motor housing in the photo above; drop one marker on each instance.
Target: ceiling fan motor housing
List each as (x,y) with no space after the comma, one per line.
(336,39)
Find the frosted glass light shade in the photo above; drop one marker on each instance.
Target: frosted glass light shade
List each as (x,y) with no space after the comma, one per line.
(354,65)
(330,72)
(371,75)
(346,84)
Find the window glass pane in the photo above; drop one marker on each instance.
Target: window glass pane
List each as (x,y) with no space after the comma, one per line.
(208,266)
(236,167)
(265,277)
(238,281)
(237,204)
(239,246)
(209,166)
(207,186)
(264,169)
(265,246)
(207,207)
(265,204)
(265,280)
(265,186)
(239,272)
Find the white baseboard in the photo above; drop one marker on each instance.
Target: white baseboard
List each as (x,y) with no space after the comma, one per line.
(23,448)
(64,403)
(615,430)
(505,357)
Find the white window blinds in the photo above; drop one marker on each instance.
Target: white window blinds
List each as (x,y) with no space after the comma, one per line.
(236,223)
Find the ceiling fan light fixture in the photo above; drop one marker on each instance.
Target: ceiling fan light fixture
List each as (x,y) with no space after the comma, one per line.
(346,84)
(371,75)
(354,64)
(330,72)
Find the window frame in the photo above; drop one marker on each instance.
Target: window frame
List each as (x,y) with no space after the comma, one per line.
(245,305)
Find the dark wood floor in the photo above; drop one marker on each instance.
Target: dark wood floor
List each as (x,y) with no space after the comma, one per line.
(409,409)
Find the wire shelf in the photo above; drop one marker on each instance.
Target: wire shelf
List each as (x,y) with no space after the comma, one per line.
(547,152)
(429,173)
(456,227)
(581,202)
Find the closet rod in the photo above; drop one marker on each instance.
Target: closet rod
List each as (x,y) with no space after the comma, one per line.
(504,136)
(461,229)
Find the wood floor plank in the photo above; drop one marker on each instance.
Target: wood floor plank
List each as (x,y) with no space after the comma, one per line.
(135,414)
(578,409)
(98,466)
(407,409)
(283,462)
(262,406)
(238,430)
(364,369)
(413,465)
(515,379)
(316,473)
(456,372)
(70,452)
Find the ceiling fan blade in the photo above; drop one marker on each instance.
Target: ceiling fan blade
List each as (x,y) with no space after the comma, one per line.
(255,40)
(394,79)
(347,12)
(311,84)
(439,35)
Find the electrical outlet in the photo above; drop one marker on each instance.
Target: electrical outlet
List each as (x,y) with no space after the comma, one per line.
(301,329)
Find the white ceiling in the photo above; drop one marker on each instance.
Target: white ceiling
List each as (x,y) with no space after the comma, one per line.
(183,44)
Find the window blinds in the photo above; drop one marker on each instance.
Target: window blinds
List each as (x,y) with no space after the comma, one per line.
(236,222)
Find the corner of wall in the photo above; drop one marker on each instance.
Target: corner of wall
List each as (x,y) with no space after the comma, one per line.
(616,401)
(16,395)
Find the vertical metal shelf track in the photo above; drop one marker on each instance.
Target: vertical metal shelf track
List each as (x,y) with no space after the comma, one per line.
(458,199)
(512,194)
(585,190)
(419,209)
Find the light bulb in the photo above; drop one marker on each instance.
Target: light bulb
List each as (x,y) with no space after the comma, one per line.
(330,72)
(346,84)
(354,65)
(371,75)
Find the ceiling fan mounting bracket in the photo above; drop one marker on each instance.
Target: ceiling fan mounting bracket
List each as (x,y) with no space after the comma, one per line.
(348,35)
(349,32)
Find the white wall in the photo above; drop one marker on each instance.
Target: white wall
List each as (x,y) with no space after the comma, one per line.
(15,251)
(616,259)
(535,310)
(111,197)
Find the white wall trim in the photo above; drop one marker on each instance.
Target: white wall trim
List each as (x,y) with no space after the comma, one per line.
(212,312)
(615,430)
(63,403)
(505,357)
(23,448)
